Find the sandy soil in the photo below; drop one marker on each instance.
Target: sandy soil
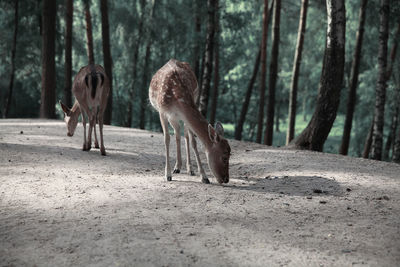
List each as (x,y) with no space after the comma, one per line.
(61,206)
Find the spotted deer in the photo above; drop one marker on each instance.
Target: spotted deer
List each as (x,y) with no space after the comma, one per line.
(90,88)
(173,90)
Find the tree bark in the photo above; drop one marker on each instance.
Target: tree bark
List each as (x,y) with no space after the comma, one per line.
(68,52)
(314,135)
(144,91)
(393,128)
(296,71)
(205,90)
(105,32)
(273,75)
(380,97)
(214,100)
(368,141)
(12,73)
(48,95)
(89,35)
(263,75)
(396,150)
(246,101)
(135,63)
(196,60)
(352,93)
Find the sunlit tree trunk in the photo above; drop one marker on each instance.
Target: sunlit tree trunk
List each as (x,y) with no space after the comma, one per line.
(105,32)
(246,101)
(351,97)
(12,73)
(208,58)
(380,97)
(214,100)
(296,71)
(89,35)
(263,75)
(68,52)
(135,63)
(273,75)
(48,95)
(314,135)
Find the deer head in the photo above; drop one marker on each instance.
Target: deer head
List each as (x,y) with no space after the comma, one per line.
(218,153)
(70,118)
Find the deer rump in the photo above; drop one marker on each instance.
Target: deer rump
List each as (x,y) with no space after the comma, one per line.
(91,81)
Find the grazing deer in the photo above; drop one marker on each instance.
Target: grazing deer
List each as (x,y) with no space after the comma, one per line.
(173,90)
(90,88)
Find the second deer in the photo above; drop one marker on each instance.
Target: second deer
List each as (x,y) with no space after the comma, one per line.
(90,88)
(173,90)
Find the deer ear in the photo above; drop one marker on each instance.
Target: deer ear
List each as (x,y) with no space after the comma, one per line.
(212,134)
(219,128)
(66,110)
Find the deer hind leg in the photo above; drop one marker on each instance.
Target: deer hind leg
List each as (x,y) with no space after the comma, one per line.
(92,121)
(203,175)
(187,144)
(96,143)
(84,148)
(177,131)
(164,124)
(102,148)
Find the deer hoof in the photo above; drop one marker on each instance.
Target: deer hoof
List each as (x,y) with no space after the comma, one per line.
(205,181)
(96,145)
(103,151)
(169,178)
(191,173)
(176,171)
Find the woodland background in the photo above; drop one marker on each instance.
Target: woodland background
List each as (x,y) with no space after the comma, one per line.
(221,40)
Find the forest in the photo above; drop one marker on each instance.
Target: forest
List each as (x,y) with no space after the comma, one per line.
(317,76)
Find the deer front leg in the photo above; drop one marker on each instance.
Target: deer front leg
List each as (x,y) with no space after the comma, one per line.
(102,148)
(188,163)
(91,124)
(203,175)
(177,131)
(96,143)
(164,124)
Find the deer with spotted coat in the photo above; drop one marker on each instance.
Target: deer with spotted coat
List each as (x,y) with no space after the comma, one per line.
(173,90)
(90,88)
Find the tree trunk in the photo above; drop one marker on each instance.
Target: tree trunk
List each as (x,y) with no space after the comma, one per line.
(277,116)
(368,142)
(246,101)
(213,110)
(296,71)
(393,128)
(89,35)
(273,75)
(380,97)
(135,63)
(208,57)
(48,95)
(314,135)
(144,91)
(352,93)
(105,32)
(396,149)
(13,51)
(263,75)
(68,52)
(196,60)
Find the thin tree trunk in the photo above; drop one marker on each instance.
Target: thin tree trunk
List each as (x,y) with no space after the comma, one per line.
(368,142)
(277,116)
(205,90)
(263,76)
(246,101)
(144,91)
(352,93)
(273,75)
(396,150)
(13,51)
(68,52)
(135,63)
(380,98)
(314,135)
(48,95)
(213,110)
(105,32)
(196,60)
(89,35)
(296,71)
(392,134)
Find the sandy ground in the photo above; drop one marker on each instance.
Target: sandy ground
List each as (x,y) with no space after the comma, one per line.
(61,206)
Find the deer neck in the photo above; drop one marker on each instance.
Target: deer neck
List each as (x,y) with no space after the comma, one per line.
(198,124)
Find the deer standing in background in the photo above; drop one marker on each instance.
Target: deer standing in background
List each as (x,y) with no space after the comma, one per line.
(173,90)
(90,88)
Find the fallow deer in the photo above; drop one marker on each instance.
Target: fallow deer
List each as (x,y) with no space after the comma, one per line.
(173,90)
(90,88)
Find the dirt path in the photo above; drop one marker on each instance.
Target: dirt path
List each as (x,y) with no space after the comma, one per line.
(60,206)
